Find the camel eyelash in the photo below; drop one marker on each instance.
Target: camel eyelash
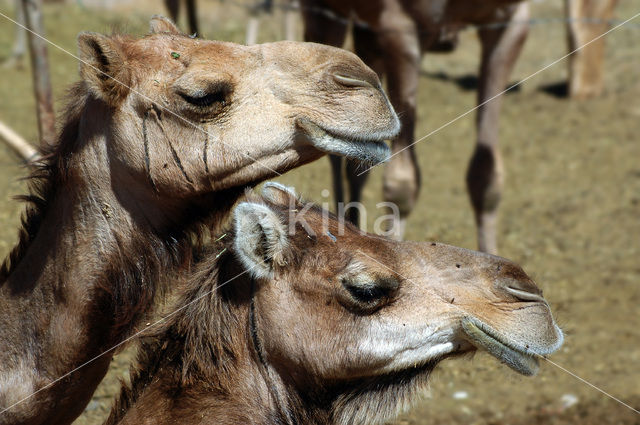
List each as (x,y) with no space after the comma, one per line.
(206,100)
(367,294)
(370,292)
(214,94)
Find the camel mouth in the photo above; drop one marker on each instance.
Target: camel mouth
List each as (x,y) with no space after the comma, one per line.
(509,353)
(368,149)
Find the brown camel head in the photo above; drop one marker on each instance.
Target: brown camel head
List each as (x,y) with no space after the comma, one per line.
(189,116)
(361,320)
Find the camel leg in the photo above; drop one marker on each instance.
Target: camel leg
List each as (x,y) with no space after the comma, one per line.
(192,17)
(587,20)
(336,179)
(319,28)
(500,49)
(399,39)
(366,46)
(356,181)
(173,7)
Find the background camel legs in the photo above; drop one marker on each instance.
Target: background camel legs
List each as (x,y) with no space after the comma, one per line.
(173,7)
(336,180)
(266,6)
(500,50)
(192,16)
(587,20)
(319,28)
(355,182)
(402,62)
(366,46)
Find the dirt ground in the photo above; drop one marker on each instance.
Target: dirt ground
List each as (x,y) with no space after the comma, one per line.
(570,212)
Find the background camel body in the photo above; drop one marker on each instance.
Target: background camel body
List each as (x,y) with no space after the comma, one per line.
(294,318)
(388,34)
(391,38)
(156,143)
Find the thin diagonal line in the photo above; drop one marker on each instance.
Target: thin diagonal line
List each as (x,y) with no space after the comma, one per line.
(504,91)
(591,385)
(537,355)
(136,92)
(129,338)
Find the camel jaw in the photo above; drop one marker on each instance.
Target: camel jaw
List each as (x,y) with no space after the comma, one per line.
(483,336)
(369,151)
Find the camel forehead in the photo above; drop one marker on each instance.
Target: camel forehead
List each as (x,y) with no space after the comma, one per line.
(175,53)
(297,63)
(186,50)
(340,244)
(317,233)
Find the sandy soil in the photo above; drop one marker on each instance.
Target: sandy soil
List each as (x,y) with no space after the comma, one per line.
(570,214)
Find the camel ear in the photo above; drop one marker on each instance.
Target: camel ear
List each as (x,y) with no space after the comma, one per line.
(280,194)
(261,238)
(103,67)
(160,24)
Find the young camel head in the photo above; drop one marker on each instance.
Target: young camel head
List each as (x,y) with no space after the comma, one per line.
(356,322)
(187,117)
(292,317)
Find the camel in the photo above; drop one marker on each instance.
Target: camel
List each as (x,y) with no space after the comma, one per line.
(160,138)
(390,36)
(294,317)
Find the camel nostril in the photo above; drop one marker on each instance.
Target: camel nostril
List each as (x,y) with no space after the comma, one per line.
(525,291)
(351,81)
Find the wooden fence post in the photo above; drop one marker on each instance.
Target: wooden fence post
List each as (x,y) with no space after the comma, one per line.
(18,144)
(40,71)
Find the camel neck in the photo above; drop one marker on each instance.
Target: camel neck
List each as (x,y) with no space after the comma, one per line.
(86,271)
(94,254)
(210,356)
(90,250)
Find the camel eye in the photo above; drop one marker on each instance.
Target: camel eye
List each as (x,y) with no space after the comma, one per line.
(214,94)
(370,293)
(367,293)
(205,100)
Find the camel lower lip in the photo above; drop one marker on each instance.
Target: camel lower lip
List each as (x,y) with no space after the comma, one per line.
(483,337)
(371,151)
